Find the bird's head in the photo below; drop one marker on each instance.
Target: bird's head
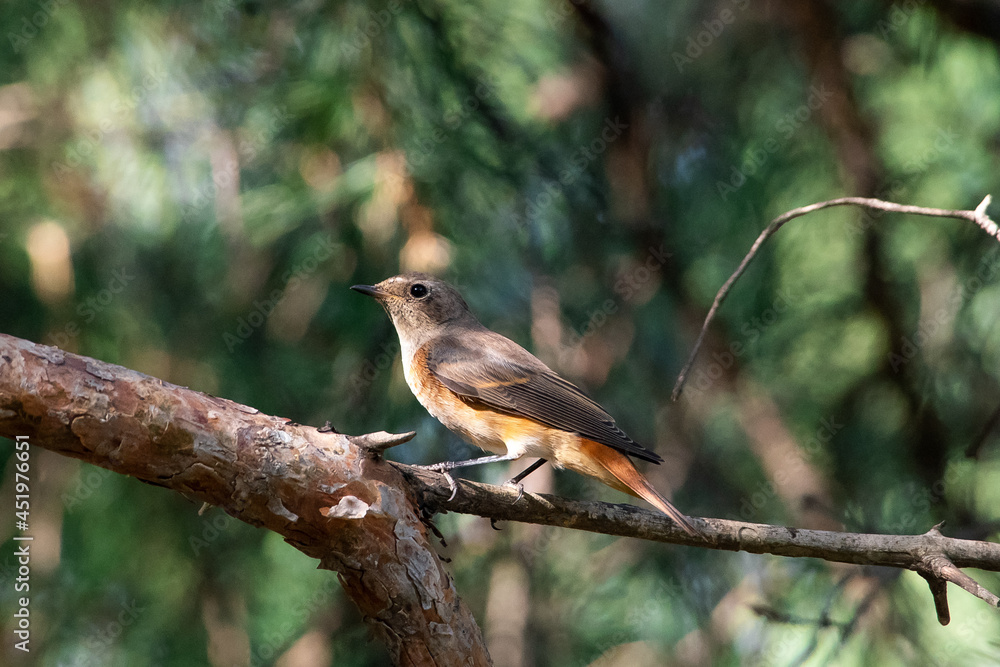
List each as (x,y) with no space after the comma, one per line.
(418,303)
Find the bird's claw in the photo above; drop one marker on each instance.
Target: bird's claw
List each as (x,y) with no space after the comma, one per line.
(451,485)
(443,469)
(519,487)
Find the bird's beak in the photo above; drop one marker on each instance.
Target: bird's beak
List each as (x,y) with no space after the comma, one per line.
(370,290)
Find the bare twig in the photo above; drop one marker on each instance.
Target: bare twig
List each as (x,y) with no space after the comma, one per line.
(939,591)
(498,502)
(912,552)
(938,570)
(977,216)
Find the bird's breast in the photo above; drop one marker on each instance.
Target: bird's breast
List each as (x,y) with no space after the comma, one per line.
(475,422)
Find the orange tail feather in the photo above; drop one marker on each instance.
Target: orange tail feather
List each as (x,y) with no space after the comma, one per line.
(636,483)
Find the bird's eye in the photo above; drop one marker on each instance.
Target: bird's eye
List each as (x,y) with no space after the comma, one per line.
(418,291)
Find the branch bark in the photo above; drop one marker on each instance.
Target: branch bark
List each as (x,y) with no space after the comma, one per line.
(498,503)
(327,495)
(332,497)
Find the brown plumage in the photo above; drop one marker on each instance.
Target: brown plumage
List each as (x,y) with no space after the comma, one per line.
(500,397)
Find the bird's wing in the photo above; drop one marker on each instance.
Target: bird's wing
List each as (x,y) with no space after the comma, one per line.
(508,378)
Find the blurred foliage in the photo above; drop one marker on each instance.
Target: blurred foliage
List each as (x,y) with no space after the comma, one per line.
(188,189)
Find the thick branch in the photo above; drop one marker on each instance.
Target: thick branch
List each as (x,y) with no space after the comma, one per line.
(325,494)
(977,216)
(343,506)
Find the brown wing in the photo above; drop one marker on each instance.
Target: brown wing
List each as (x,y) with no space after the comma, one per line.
(500,373)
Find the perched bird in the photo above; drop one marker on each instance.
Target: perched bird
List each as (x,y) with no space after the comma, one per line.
(500,397)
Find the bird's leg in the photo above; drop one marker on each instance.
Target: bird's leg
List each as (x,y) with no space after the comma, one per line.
(527,471)
(451,465)
(516,480)
(445,466)
(451,485)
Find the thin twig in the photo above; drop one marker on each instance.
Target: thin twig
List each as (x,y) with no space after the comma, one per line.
(938,570)
(977,216)
(934,556)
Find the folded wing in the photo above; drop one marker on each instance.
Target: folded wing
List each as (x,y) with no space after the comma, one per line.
(510,379)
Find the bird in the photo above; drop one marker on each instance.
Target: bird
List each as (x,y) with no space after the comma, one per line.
(498,396)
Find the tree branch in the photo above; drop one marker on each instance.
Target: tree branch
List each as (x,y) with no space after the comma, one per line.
(332,498)
(977,216)
(326,495)
(935,557)
(939,571)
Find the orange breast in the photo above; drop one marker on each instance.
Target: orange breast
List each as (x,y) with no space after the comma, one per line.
(476,422)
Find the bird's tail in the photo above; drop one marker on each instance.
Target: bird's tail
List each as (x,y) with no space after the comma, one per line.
(634,482)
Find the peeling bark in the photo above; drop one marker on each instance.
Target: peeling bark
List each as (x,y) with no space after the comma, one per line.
(329,497)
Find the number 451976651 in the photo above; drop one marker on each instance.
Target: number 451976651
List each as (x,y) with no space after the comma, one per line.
(21,488)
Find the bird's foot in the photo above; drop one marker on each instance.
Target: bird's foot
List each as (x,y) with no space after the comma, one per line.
(518,486)
(436,467)
(451,485)
(443,468)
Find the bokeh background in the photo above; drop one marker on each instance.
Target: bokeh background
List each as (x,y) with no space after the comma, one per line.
(189,189)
